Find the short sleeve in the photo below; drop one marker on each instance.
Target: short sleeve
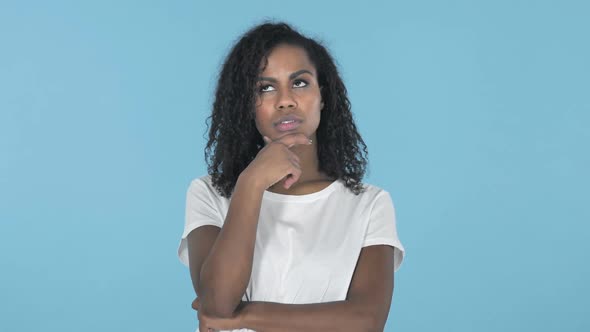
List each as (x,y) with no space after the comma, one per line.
(200,210)
(382,228)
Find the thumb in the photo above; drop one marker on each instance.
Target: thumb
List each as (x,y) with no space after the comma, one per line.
(196,304)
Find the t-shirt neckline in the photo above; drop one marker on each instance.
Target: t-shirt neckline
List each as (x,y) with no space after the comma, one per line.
(302,198)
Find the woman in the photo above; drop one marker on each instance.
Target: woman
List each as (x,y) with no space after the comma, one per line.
(282,234)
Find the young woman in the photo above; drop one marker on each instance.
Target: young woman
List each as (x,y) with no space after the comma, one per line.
(282,235)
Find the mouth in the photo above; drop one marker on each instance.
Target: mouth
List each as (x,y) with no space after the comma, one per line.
(288,125)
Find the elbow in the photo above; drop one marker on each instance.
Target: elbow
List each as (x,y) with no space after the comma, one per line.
(217,308)
(374,323)
(374,329)
(366,317)
(218,312)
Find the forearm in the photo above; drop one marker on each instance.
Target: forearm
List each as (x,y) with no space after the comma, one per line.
(329,316)
(225,273)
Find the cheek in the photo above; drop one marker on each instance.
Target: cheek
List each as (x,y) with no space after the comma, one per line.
(257,119)
(262,116)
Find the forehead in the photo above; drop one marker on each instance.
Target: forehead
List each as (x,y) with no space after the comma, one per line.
(287,59)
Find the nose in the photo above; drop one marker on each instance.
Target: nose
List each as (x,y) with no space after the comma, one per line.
(286,101)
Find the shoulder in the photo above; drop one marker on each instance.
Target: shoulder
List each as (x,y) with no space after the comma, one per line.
(370,192)
(373,189)
(203,186)
(380,199)
(370,195)
(202,181)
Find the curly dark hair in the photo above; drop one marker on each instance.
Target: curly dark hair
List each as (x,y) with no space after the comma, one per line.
(234,140)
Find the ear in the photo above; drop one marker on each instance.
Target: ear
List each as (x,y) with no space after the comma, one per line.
(322,103)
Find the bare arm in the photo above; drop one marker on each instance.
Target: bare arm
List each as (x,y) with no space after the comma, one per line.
(341,316)
(221,268)
(365,309)
(221,274)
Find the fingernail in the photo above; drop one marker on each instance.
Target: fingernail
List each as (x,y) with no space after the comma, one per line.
(310,141)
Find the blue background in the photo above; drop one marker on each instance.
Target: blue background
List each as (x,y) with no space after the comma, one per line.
(476,115)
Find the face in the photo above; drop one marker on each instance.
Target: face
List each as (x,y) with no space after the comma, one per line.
(288,86)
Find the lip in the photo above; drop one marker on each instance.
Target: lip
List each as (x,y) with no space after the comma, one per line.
(287,118)
(288,126)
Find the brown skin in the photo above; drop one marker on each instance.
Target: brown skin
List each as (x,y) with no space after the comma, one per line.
(366,306)
(281,95)
(220,260)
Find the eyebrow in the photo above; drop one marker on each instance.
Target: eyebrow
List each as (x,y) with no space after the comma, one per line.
(292,76)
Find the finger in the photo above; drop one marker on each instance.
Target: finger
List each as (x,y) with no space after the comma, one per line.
(290,181)
(203,327)
(296,163)
(300,140)
(294,156)
(196,303)
(291,140)
(292,178)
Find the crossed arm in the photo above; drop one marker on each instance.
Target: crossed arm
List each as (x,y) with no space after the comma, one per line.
(365,309)
(220,261)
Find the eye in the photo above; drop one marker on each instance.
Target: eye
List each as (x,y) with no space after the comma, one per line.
(301,81)
(263,88)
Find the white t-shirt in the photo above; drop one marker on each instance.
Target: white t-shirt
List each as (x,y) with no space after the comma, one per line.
(307,246)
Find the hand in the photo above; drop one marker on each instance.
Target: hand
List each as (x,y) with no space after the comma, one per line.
(196,304)
(276,161)
(213,324)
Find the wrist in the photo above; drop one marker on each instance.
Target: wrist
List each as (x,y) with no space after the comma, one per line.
(248,315)
(251,182)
